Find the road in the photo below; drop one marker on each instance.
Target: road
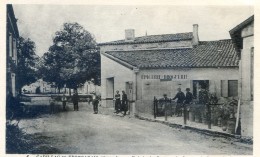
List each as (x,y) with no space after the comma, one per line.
(82,132)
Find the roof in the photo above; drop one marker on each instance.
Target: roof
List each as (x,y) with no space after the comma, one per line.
(10,12)
(153,39)
(235,33)
(242,25)
(207,54)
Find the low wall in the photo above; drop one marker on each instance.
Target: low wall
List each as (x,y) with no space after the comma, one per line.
(144,107)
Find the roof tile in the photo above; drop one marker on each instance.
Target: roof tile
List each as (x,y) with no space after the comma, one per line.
(207,54)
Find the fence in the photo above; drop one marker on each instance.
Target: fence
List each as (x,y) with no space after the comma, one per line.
(222,115)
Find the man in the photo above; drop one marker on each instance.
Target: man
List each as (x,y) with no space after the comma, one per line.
(188,97)
(117,102)
(166,104)
(95,104)
(181,97)
(188,100)
(64,100)
(75,100)
(124,102)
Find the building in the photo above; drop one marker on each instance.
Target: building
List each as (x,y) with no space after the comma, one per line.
(89,88)
(39,87)
(12,35)
(243,38)
(149,66)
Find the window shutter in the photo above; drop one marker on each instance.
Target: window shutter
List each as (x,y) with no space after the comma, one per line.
(224,88)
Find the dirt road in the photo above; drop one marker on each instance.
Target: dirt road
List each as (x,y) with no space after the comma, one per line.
(82,132)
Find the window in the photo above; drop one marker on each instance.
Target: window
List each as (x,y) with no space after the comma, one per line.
(229,88)
(10,45)
(232,88)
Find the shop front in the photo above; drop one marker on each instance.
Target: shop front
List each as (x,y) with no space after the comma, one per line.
(154,83)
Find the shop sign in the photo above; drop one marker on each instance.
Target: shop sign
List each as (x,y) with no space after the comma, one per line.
(164,77)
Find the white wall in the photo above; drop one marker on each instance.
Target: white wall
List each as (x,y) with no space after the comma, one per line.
(246,89)
(148,88)
(121,75)
(124,47)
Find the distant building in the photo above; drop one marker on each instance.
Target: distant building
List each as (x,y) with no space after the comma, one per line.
(12,36)
(89,88)
(243,38)
(150,66)
(39,87)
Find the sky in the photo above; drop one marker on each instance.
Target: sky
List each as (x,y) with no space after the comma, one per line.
(108,22)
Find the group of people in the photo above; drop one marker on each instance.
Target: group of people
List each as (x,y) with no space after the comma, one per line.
(75,101)
(186,99)
(181,99)
(121,106)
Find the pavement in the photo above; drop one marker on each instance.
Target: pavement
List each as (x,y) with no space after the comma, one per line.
(82,132)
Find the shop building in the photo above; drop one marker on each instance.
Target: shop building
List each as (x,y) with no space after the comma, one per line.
(12,36)
(243,38)
(150,66)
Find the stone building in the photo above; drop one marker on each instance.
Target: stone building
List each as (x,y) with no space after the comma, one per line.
(12,35)
(243,38)
(150,66)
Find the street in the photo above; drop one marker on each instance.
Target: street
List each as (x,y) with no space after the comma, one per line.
(82,132)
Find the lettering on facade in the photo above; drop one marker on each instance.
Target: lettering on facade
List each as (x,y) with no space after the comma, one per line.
(163,77)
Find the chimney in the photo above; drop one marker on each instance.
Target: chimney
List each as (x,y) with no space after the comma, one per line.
(129,35)
(195,39)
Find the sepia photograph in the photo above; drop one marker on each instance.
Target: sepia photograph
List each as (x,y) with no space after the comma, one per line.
(129,79)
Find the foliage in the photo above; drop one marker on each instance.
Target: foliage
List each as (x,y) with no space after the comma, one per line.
(73,58)
(26,63)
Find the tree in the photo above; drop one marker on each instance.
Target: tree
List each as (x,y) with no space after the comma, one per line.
(73,58)
(26,62)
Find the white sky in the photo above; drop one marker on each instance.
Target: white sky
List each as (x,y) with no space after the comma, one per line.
(107,23)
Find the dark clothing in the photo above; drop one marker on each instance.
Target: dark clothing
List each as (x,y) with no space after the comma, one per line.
(75,100)
(124,103)
(203,97)
(95,105)
(117,103)
(64,105)
(180,96)
(188,98)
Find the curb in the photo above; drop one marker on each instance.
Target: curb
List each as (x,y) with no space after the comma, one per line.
(241,139)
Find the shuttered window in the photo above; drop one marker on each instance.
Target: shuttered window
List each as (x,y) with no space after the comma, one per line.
(229,88)
(232,88)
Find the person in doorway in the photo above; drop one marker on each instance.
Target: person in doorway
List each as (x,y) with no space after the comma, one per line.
(75,100)
(188,97)
(181,97)
(203,95)
(95,103)
(64,100)
(188,100)
(117,102)
(124,106)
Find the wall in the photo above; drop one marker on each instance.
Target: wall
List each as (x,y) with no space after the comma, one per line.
(246,81)
(121,75)
(125,47)
(148,88)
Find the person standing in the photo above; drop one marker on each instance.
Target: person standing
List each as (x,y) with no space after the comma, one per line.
(188,97)
(117,102)
(64,100)
(188,100)
(124,102)
(75,100)
(181,97)
(95,104)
